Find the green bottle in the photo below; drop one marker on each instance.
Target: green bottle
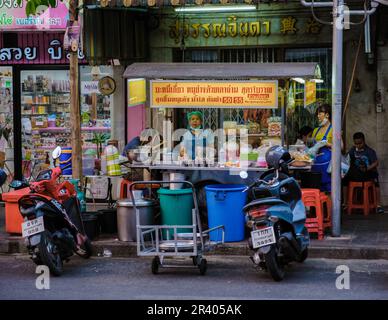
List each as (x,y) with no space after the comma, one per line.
(80,195)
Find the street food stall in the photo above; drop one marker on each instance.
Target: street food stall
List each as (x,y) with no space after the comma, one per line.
(237,110)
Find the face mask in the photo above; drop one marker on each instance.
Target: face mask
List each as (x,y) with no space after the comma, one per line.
(196,130)
(323,122)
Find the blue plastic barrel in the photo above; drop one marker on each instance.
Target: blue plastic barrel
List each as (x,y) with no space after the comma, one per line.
(65,161)
(225,204)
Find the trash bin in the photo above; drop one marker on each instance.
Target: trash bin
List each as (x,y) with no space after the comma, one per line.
(13,217)
(176,209)
(107,219)
(126,217)
(91,226)
(225,204)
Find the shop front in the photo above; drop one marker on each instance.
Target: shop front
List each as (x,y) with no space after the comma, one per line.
(276,32)
(35,71)
(234,152)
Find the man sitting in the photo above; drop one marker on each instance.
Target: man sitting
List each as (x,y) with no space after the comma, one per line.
(363,166)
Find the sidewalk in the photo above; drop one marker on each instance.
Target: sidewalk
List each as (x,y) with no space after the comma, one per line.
(361,238)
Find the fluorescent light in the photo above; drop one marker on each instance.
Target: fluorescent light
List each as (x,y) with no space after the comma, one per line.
(300,80)
(216,8)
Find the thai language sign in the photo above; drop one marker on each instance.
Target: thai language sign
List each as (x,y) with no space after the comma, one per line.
(214,94)
(13,16)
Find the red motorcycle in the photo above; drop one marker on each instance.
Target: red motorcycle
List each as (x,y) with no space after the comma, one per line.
(53,224)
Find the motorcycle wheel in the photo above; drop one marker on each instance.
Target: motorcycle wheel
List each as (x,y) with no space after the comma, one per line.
(49,254)
(303,255)
(87,247)
(275,268)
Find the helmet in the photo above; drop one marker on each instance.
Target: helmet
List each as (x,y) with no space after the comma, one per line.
(277,157)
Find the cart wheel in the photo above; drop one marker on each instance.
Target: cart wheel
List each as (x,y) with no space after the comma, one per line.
(155,265)
(203,267)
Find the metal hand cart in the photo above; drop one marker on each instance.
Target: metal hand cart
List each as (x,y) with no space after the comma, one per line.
(151,241)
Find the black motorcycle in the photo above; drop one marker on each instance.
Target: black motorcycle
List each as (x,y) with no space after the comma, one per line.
(53,225)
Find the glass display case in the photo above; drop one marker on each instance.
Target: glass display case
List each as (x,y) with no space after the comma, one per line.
(45,111)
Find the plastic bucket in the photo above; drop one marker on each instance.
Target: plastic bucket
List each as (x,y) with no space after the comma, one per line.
(90,222)
(65,161)
(225,204)
(176,209)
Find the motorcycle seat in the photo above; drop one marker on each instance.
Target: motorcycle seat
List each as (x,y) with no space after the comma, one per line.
(266,201)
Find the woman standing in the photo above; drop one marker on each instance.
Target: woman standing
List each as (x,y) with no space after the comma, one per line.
(196,140)
(323,133)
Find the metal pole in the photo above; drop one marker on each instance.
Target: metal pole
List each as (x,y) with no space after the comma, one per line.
(338,26)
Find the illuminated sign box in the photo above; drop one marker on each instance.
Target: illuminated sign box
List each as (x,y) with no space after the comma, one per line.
(214,94)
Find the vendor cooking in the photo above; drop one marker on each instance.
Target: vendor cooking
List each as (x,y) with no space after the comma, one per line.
(196,140)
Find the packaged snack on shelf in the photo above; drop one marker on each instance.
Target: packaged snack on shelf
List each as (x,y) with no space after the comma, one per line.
(274,126)
(253,127)
(52,120)
(39,122)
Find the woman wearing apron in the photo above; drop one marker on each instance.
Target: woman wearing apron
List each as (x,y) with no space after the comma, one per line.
(323,133)
(196,140)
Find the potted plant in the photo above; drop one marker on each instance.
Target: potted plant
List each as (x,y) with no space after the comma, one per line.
(99,139)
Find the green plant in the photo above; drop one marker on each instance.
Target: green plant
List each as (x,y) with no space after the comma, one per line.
(99,139)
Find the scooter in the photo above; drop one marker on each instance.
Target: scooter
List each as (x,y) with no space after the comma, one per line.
(276,217)
(53,225)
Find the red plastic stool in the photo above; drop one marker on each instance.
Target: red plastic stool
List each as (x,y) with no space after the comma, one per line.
(124,188)
(313,198)
(326,208)
(369,201)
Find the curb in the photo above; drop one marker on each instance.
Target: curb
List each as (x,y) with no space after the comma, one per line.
(118,249)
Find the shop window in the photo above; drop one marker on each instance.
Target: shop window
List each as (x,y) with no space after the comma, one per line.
(214,118)
(299,116)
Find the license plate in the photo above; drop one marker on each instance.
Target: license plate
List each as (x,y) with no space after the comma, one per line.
(263,237)
(31,227)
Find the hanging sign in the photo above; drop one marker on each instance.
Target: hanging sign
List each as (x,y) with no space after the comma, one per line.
(310,93)
(214,94)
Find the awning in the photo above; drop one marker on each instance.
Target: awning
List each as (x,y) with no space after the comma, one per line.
(223,71)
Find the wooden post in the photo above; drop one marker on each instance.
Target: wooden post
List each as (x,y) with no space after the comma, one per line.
(75,116)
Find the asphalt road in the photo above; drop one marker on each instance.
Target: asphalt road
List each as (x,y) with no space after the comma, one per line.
(227,278)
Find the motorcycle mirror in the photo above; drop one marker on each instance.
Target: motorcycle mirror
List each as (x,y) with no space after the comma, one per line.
(57,152)
(15,184)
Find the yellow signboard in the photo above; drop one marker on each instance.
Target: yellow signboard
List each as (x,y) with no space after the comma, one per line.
(214,94)
(310,93)
(136,92)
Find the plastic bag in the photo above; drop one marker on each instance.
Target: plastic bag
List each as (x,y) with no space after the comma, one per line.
(345,165)
(314,150)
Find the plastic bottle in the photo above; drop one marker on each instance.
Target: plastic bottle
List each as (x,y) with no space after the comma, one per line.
(80,195)
(222,159)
